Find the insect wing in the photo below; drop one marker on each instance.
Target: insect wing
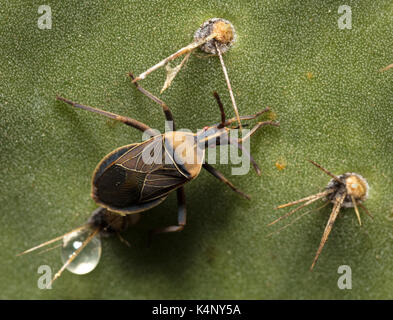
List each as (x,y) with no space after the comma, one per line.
(131,177)
(145,157)
(162,181)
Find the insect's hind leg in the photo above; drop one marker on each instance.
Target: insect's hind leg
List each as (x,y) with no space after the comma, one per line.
(126,120)
(165,108)
(182,216)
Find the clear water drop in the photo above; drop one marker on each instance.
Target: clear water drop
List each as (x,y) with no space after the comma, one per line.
(88,258)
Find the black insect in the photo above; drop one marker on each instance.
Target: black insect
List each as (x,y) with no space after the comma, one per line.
(139,176)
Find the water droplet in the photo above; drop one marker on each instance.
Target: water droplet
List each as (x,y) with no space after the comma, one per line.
(88,258)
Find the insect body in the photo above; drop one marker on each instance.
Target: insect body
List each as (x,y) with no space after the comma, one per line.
(137,177)
(348,190)
(125,183)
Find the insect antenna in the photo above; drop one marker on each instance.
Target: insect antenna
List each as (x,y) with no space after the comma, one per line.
(224,69)
(326,171)
(297,218)
(75,254)
(52,240)
(329,225)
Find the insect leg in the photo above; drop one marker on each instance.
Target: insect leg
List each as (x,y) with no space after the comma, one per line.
(181,204)
(240,146)
(165,108)
(181,218)
(221,177)
(221,106)
(128,121)
(249,117)
(258,126)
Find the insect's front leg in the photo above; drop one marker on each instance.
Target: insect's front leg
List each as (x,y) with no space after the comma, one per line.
(258,126)
(248,117)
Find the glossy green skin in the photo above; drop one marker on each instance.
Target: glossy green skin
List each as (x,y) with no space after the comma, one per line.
(341,118)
